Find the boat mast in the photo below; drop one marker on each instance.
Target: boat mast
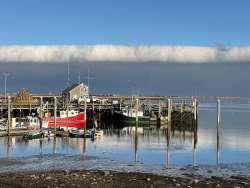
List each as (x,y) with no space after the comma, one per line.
(68,76)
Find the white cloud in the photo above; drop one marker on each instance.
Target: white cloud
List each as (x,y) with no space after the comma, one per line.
(119,53)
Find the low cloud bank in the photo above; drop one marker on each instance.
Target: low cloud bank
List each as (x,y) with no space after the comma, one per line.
(122,53)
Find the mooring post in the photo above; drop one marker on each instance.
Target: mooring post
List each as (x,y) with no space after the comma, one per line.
(182,105)
(159,109)
(99,113)
(85,125)
(136,112)
(195,109)
(41,111)
(9,115)
(93,109)
(218,131)
(169,131)
(120,104)
(55,109)
(149,108)
(169,112)
(136,127)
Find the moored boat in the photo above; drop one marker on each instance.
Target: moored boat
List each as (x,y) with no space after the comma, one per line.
(33,135)
(67,120)
(98,133)
(79,133)
(127,117)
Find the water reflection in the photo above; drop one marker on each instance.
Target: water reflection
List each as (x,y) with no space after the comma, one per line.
(203,142)
(54,148)
(85,156)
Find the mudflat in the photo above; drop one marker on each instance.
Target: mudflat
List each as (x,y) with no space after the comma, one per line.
(112,179)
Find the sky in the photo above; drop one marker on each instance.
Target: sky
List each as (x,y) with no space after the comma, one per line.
(163,47)
(134,22)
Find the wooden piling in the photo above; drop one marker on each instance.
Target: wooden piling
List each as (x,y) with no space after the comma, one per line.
(55,114)
(41,111)
(159,109)
(9,115)
(136,113)
(169,131)
(93,110)
(99,113)
(120,105)
(149,108)
(85,126)
(169,112)
(195,109)
(136,128)
(218,131)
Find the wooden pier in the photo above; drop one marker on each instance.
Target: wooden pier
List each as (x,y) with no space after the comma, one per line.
(162,110)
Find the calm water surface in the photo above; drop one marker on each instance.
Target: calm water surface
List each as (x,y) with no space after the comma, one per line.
(119,151)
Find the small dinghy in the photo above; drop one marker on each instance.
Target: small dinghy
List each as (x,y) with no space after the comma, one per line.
(79,133)
(33,135)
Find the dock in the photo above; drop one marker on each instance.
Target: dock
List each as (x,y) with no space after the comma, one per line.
(161,110)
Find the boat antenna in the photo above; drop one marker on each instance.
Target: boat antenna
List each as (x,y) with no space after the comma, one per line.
(79,78)
(88,78)
(5,74)
(68,81)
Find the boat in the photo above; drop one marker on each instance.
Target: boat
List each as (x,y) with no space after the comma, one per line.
(3,124)
(67,120)
(28,122)
(33,135)
(79,133)
(127,117)
(98,133)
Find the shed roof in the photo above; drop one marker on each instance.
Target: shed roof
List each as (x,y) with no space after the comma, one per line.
(68,89)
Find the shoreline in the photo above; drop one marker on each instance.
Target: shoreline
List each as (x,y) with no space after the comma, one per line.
(110,179)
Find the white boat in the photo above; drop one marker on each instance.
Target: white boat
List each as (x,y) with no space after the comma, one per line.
(98,133)
(79,133)
(28,122)
(3,124)
(132,112)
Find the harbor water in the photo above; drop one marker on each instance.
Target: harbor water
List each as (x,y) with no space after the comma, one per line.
(119,150)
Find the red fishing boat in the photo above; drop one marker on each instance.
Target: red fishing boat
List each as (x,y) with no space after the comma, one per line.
(67,119)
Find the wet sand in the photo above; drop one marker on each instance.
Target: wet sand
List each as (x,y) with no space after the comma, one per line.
(112,179)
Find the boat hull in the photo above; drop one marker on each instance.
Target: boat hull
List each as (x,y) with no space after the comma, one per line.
(122,121)
(77,121)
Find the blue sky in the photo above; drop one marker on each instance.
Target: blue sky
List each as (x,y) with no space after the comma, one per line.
(123,69)
(171,22)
